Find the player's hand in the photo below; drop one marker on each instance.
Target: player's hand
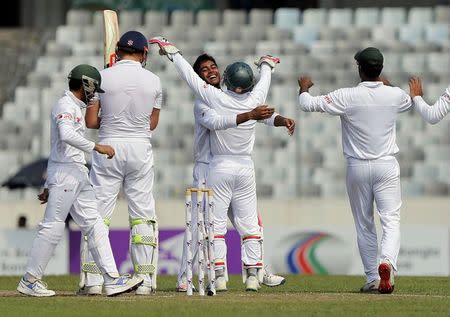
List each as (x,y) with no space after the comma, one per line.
(415,87)
(269,60)
(261,112)
(305,82)
(105,149)
(165,47)
(43,197)
(290,125)
(385,81)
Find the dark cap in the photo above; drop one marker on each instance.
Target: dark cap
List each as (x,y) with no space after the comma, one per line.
(133,41)
(370,56)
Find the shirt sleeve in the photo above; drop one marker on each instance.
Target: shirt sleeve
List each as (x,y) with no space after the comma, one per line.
(270,121)
(332,103)
(405,102)
(210,119)
(65,121)
(433,114)
(262,87)
(158,96)
(203,90)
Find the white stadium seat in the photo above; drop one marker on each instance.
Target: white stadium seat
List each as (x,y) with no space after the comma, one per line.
(286,18)
(368,17)
(315,17)
(393,16)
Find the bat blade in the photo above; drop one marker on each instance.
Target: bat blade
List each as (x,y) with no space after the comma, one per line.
(111,37)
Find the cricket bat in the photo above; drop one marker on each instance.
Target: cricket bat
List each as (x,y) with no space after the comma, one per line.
(110,36)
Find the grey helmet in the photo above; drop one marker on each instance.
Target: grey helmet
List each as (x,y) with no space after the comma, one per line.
(239,74)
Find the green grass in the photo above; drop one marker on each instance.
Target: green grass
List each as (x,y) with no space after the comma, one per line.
(300,296)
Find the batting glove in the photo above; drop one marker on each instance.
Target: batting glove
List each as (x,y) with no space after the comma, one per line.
(165,47)
(269,60)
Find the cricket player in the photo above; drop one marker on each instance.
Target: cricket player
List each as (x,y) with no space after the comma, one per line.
(432,114)
(68,190)
(231,172)
(129,113)
(207,119)
(368,114)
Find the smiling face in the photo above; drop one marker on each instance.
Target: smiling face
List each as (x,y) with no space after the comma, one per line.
(209,72)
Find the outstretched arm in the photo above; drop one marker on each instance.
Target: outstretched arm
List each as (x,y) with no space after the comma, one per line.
(431,114)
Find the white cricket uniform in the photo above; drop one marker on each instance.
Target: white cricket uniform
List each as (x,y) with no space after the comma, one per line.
(131,92)
(368,115)
(435,113)
(69,191)
(231,173)
(205,119)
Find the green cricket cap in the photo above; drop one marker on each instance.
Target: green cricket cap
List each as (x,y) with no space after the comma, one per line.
(370,56)
(89,71)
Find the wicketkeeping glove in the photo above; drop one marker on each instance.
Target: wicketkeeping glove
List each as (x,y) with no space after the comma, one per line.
(270,60)
(165,47)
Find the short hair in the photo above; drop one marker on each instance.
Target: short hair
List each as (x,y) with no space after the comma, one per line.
(200,60)
(75,84)
(371,71)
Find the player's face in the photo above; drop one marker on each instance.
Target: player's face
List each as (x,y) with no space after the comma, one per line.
(209,72)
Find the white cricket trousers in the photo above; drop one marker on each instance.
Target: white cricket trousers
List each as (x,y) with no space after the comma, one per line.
(232,179)
(368,181)
(70,191)
(199,174)
(132,167)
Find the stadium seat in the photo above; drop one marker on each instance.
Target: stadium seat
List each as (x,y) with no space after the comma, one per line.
(306,35)
(91,34)
(437,33)
(182,19)
(234,18)
(316,17)
(438,62)
(367,17)
(393,16)
(260,17)
(322,48)
(286,18)
(47,64)
(410,34)
(433,91)
(414,63)
(420,16)
(78,17)
(174,34)
(340,17)
(216,48)
(331,33)
(129,20)
(251,33)
(239,48)
(68,34)
(289,47)
(274,33)
(442,14)
(199,35)
(208,18)
(384,33)
(154,21)
(268,47)
(226,33)
(87,48)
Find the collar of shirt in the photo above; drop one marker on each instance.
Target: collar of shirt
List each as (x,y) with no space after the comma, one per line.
(79,103)
(371,84)
(128,62)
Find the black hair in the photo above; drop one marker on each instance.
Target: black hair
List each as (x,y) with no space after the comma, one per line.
(371,71)
(75,84)
(201,59)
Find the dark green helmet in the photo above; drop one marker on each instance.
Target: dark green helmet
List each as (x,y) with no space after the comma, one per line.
(89,75)
(240,75)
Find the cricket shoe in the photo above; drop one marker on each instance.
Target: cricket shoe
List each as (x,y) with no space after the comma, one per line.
(38,288)
(370,287)
(221,284)
(386,278)
(123,284)
(90,290)
(252,284)
(272,280)
(182,286)
(144,290)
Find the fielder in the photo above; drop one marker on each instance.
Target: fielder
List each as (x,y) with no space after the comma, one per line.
(231,172)
(432,114)
(68,191)
(368,113)
(129,113)
(207,119)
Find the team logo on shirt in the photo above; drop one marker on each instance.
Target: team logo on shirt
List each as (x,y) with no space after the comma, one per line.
(328,99)
(63,116)
(78,119)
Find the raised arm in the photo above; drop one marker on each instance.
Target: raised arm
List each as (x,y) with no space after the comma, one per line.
(330,103)
(431,114)
(266,65)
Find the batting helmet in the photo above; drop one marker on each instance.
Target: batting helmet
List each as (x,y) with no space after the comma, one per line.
(89,77)
(239,75)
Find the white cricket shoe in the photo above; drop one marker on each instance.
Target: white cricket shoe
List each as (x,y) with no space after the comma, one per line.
(38,288)
(144,290)
(90,290)
(221,284)
(121,285)
(182,285)
(252,284)
(272,280)
(386,272)
(370,287)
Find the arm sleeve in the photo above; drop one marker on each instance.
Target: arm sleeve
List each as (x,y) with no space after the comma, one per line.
(405,102)
(433,114)
(203,90)
(158,96)
(65,123)
(270,121)
(210,119)
(262,87)
(332,103)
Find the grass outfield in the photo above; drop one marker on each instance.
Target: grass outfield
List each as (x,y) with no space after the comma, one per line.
(300,296)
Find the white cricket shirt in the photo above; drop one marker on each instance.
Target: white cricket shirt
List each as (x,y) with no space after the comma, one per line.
(433,114)
(131,92)
(67,131)
(368,113)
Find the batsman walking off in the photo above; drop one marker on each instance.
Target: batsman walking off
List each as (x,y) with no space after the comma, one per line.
(68,190)
(129,113)
(368,115)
